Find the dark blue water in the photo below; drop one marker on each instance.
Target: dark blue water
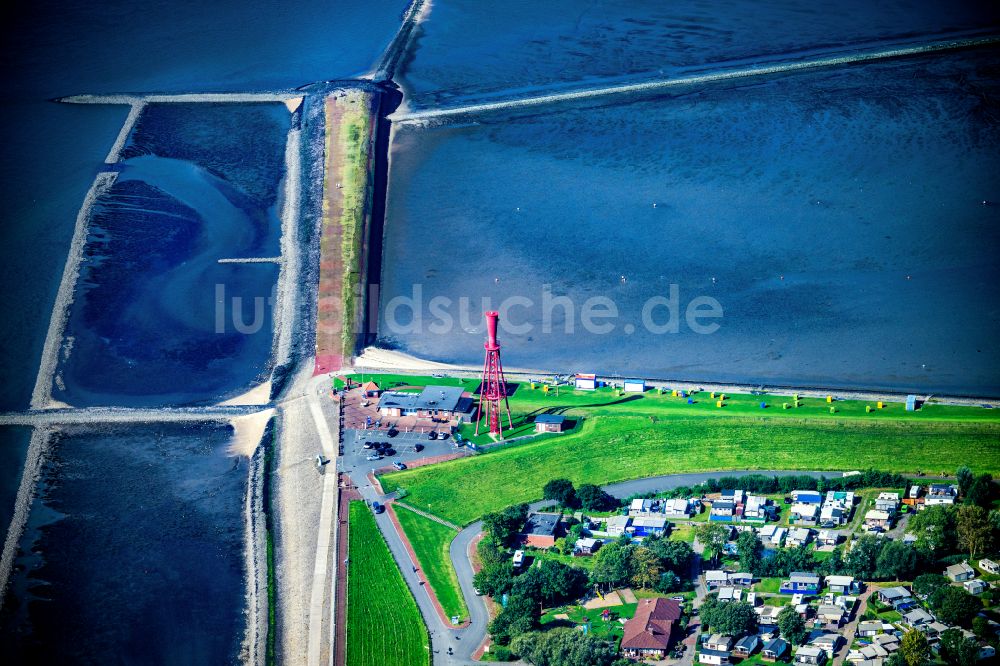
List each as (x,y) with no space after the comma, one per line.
(133,553)
(155,320)
(13,449)
(145,567)
(475,50)
(52,151)
(836,216)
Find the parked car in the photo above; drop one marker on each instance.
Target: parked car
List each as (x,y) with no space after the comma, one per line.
(443,435)
(418,447)
(374,456)
(367,445)
(432,434)
(389,452)
(377,508)
(399,465)
(392,432)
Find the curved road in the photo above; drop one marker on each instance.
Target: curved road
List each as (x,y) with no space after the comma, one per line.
(464,642)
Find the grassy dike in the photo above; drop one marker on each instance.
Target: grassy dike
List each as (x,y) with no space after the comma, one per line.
(350,122)
(622,437)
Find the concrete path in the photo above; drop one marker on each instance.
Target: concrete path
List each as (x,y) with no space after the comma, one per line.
(429,516)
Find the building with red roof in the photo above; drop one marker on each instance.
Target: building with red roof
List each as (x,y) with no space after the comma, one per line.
(651,629)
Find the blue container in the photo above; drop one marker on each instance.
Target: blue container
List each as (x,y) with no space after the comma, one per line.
(690,401)
(763,405)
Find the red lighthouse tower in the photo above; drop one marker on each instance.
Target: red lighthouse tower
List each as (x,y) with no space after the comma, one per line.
(494,387)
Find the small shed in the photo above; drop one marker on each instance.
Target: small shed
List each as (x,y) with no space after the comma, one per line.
(635,385)
(586,382)
(911,403)
(549,422)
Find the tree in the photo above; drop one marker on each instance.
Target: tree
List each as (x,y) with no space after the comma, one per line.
(895,659)
(981,628)
(674,555)
(708,609)
(562,491)
(915,647)
(560,582)
(791,625)
(896,561)
(490,552)
(504,526)
(645,567)
(529,585)
(494,580)
(593,498)
(669,582)
(519,616)
(564,647)
(713,537)
(929,583)
(734,619)
(975,533)
(953,605)
(750,550)
(980,492)
(935,529)
(862,560)
(957,650)
(611,564)
(965,478)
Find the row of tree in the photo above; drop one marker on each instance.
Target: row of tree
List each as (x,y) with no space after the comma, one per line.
(587,496)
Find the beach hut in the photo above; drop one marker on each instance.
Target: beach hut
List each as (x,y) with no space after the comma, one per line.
(634,385)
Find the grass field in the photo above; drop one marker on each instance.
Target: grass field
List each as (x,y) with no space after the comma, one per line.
(605,401)
(383,623)
(578,615)
(430,541)
(609,448)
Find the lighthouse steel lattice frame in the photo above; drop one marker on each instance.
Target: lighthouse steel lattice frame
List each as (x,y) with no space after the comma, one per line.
(493,389)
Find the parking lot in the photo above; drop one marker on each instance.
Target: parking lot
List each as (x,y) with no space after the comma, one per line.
(404,443)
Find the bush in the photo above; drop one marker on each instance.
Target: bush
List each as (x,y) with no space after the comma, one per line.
(501,653)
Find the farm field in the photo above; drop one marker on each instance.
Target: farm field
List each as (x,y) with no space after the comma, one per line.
(607,449)
(383,623)
(431,541)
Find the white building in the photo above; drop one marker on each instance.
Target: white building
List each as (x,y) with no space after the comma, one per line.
(617,525)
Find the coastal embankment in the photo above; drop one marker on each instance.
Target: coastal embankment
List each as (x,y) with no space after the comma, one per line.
(351,120)
(405,115)
(375,360)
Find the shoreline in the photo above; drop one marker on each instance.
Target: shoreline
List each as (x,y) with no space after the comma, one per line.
(254,647)
(38,448)
(376,360)
(41,396)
